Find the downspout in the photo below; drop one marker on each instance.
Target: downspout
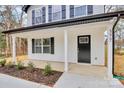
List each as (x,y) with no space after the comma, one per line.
(113,43)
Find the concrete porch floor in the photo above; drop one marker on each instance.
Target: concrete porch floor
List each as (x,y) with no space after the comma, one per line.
(81,69)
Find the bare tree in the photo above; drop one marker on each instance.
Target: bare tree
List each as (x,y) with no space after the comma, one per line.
(119,34)
(12,16)
(113,8)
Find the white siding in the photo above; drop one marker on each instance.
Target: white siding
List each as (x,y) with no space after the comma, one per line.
(97,9)
(97,44)
(59,47)
(96,30)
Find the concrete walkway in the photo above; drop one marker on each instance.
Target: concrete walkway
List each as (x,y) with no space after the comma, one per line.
(69,80)
(7,81)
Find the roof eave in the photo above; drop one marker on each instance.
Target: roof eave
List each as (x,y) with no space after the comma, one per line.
(81,20)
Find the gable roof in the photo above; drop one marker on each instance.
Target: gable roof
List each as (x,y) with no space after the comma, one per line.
(25,8)
(69,22)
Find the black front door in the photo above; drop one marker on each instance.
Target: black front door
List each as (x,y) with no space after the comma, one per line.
(84,49)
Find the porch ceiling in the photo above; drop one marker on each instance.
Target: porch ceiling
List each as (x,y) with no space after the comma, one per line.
(37,33)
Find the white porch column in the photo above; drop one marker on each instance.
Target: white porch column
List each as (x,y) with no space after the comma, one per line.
(66,50)
(110,48)
(110,63)
(14,49)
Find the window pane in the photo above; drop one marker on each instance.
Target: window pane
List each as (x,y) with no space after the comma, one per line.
(57,15)
(56,8)
(38,16)
(56,12)
(46,41)
(38,46)
(38,42)
(38,50)
(46,49)
(38,20)
(81,10)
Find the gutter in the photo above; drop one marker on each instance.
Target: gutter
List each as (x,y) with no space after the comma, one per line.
(113,43)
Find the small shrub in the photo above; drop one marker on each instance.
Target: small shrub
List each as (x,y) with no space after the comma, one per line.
(47,70)
(10,65)
(19,66)
(31,66)
(3,62)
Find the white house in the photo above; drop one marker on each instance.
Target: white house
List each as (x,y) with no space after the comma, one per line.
(67,33)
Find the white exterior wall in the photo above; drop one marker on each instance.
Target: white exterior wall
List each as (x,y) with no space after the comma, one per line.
(58,48)
(96,30)
(97,44)
(97,9)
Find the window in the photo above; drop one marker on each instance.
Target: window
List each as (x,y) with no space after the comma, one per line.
(45,45)
(56,12)
(80,10)
(37,46)
(83,40)
(39,16)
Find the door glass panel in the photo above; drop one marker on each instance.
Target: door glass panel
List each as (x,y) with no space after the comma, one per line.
(83,40)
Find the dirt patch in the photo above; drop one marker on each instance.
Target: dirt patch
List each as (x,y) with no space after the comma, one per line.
(119,65)
(36,75)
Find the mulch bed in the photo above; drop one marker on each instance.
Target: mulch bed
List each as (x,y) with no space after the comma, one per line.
(36,75)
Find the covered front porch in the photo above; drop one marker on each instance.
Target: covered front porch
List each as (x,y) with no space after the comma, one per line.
(63,44)
(65,57)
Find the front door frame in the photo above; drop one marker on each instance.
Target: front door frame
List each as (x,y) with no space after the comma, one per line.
(78,50)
